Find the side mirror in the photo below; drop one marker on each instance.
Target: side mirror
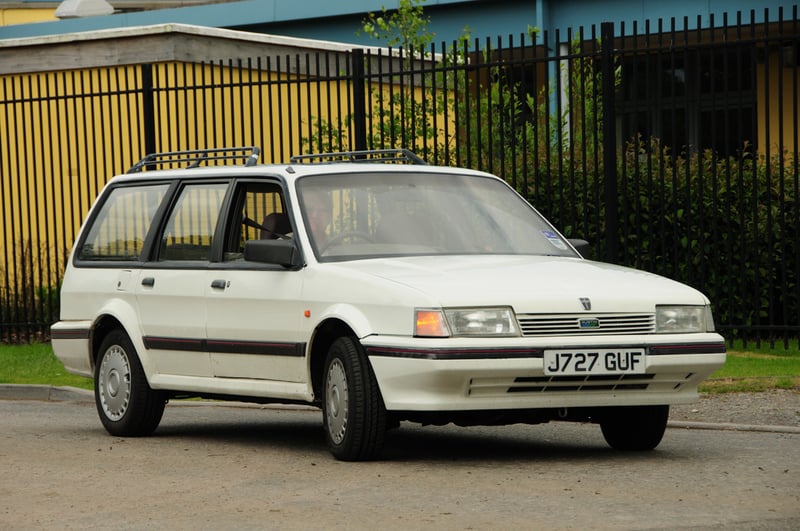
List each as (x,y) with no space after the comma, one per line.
(280,252)
(582,246)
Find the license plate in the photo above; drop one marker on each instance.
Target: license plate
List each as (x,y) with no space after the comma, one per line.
(600,361)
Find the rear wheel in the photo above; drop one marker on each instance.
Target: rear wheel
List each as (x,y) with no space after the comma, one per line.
(353,413)
(635,428)
(125,402)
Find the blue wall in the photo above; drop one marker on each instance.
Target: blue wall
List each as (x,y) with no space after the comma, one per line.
(448,21)
(339,20)
(574,13)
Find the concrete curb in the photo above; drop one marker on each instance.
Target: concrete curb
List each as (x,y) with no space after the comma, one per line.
(692,425)
(44,392)
(73,394)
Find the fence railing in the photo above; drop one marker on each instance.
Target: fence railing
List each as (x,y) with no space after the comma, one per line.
(671,150)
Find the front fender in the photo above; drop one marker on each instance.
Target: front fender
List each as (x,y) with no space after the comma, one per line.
(351,316)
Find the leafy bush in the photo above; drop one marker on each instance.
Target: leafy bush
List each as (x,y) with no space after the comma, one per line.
(28,303)
(726,225)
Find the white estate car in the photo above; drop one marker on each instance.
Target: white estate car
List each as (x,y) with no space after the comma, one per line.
(378,290)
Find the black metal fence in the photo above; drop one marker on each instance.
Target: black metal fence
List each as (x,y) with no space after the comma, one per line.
(671,150)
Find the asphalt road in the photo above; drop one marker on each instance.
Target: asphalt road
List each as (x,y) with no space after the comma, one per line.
(220,466)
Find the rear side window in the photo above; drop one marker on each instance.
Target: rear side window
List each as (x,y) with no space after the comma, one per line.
(189,231)
(120,227)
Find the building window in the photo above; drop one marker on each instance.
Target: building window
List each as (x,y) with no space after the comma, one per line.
(691,100)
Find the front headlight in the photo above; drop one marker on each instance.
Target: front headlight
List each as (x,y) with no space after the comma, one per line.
(465,322)
(683,319)
(482,321)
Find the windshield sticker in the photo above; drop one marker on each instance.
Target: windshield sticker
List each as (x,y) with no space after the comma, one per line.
(553,238)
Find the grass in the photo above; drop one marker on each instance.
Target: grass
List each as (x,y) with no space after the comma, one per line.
(757,369)
(748,369)
(36,364)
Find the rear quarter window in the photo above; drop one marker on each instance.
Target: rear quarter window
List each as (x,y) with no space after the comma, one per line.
(120,227)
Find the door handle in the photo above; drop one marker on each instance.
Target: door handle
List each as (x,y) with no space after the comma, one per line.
(219,284)
(149,282)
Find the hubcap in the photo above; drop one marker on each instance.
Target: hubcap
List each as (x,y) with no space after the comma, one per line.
(336,400)
(114,382)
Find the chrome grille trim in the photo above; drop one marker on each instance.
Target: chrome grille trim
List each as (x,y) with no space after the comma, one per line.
(593,324)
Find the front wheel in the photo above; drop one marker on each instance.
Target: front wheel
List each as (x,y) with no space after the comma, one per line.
(353,413)
(636,428)
(125,402)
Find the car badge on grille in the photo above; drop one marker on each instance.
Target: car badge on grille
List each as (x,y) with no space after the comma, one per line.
(589,323)
(587,303)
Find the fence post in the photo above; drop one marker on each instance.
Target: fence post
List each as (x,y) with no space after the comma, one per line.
(148,110)
(359,99)
(609,142)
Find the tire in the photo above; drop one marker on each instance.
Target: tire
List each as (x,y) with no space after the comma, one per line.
(126,404)
(636,429)
(353,413)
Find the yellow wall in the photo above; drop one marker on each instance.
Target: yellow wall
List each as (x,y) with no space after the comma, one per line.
(59,150)
(777,95)
(50,172)
(9,17)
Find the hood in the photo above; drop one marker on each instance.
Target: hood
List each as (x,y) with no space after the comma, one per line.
(530,284)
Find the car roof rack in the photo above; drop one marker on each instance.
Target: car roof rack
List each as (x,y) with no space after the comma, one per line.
(370,155)
(195,157)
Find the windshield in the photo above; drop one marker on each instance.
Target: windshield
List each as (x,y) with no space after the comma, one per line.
(369,215)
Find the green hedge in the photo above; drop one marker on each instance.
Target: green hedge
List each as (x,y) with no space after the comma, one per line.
(729,226)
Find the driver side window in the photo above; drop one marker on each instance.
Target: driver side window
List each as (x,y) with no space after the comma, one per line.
(260,213)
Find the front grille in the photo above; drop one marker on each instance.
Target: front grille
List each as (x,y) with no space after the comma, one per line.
(591,324)
(539,384)
(599,383)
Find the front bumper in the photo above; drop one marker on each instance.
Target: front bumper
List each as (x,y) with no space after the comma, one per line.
(432,375)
